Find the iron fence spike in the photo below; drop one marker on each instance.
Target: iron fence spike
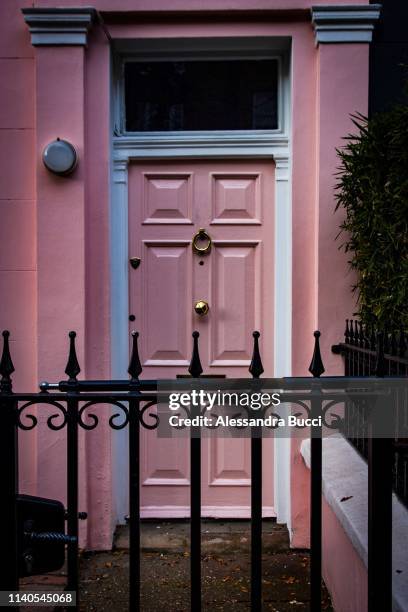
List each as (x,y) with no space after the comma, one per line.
(195,367)
(6,364)
(256,367)
(351,335)
(356,333)
(135,367)
(316,367)
(72,368)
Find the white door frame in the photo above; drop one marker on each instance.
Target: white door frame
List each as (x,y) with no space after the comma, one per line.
(274,145)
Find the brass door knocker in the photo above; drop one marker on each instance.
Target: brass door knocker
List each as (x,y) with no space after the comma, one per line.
(201,236)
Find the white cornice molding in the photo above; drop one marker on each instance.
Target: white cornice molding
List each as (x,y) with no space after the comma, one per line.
(59,26)
(345,24)
(200,145)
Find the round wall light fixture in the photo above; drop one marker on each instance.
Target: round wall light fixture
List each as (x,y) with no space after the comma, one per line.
(60,157)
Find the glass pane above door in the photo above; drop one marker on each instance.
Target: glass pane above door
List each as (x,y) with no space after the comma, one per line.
(200,95)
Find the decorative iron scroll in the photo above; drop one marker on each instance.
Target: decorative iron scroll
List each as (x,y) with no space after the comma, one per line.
(73,398)
(152,415)
(34,419)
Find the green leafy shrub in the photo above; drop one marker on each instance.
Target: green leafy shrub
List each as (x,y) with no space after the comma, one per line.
(373,191)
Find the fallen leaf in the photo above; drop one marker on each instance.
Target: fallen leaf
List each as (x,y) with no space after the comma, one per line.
(346,498)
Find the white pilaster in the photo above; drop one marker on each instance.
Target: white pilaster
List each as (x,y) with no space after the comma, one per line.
(119,321)
(283,325)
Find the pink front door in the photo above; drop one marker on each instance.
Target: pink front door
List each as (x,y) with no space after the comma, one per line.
(168,203)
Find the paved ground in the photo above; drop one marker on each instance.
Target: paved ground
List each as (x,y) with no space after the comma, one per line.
(225,570)
(165,582)
(217,536)
(166,566)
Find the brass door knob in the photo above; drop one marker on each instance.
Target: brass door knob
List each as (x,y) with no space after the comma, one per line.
(201,307)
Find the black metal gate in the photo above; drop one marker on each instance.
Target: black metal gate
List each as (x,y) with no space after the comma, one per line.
(133,398)
(369,352)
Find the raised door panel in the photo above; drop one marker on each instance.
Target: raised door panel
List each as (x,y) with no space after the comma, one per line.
(165,291)
(164,475)
(167,198)
(169,466)
(236,198)
(229,462)
(235,293)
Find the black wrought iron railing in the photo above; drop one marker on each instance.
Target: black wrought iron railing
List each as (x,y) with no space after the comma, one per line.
(78,404)
(368,352)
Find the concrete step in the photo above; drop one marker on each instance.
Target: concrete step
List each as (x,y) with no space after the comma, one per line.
(217,536)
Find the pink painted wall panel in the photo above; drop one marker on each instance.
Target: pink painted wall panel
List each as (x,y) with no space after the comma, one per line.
(16,289)
(15,38)
(97,285)
(17,79)
(342,90)
(343,570)
(17,178)
(17,313)
(299,498)
(60,202)
(61,247)
(304,55)
(192,5)
(20,253)
(18,279)
(303,251)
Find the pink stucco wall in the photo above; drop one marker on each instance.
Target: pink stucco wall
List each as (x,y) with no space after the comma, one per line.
(18,262)
(341,88)
(54,248)
(343,570)
(51,278)
(189,5)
